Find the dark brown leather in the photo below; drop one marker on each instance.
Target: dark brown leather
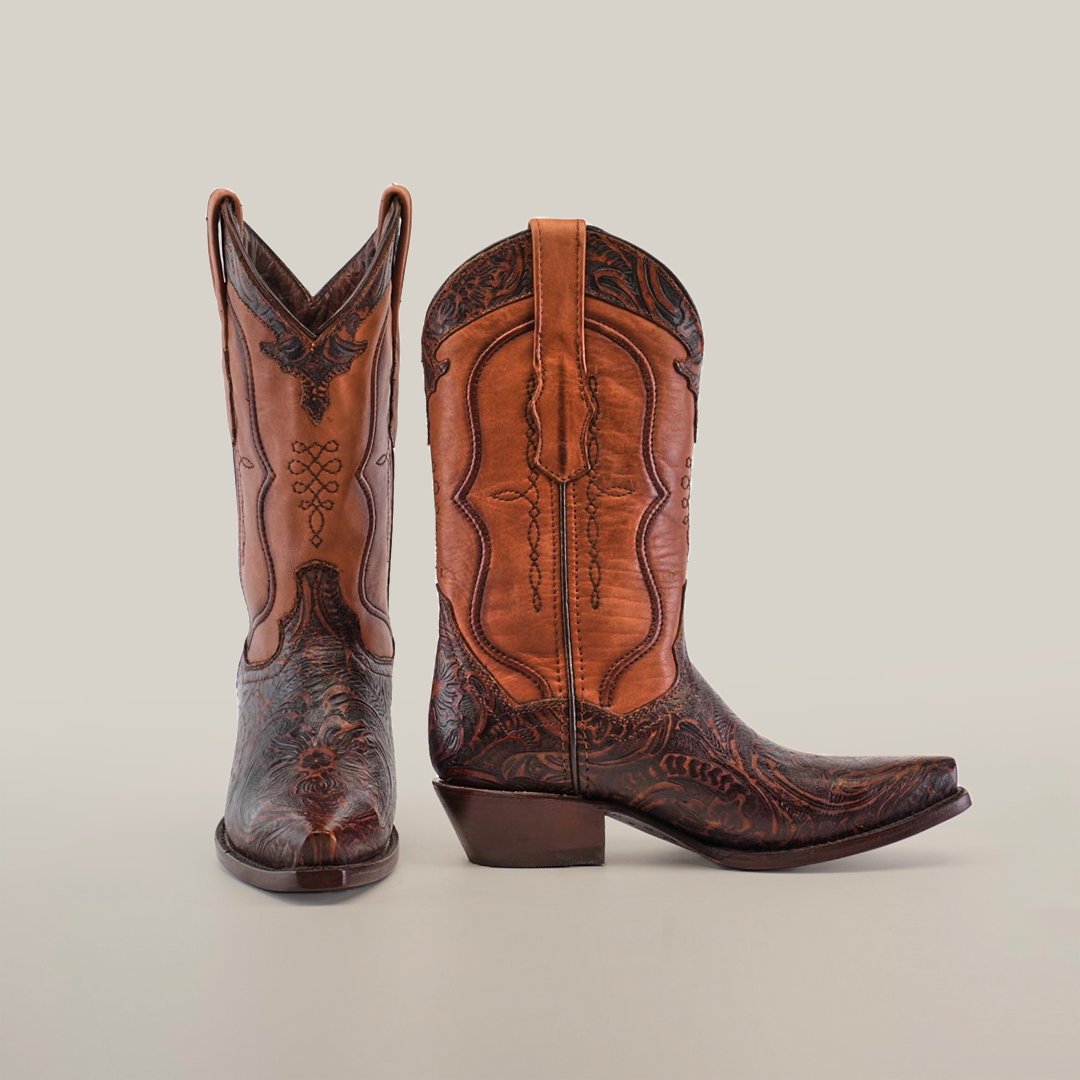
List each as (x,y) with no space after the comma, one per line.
(561,569)
(310,384)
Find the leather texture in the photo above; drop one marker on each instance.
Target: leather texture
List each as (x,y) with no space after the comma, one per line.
(561,407)
(310,385)
(561,569)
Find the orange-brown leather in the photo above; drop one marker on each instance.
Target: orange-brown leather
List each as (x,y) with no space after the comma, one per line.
(561,406)
(576,362)
(562,400)
(312,452)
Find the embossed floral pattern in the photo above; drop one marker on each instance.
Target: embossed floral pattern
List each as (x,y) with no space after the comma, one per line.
(478,737)
(684,758)
(615,271)
(314,752)
(315,363)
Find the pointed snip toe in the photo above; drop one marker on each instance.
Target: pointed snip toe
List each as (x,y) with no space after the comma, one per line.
(306,878)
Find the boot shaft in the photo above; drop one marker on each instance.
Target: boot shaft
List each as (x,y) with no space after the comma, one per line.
(311,385)
(562,373)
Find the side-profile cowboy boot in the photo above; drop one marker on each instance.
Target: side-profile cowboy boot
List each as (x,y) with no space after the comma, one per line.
(562,377)
(310,382)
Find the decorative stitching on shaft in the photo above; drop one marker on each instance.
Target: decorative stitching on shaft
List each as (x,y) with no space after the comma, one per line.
(592,496)
(462,502)
(315,468)
(531,494)
(594,491)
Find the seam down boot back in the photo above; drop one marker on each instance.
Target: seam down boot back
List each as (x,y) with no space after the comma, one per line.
(310,383)
(562,370)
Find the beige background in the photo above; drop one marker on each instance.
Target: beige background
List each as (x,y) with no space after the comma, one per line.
(875,207)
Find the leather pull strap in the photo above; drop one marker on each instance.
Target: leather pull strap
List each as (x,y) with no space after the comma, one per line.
(561,403)
(400,195)
(218,199)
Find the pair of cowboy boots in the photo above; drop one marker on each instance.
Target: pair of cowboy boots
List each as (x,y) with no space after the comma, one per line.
(561,368)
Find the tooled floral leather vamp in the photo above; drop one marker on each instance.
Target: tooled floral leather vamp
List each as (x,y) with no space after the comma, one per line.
(562,370)
(684,759)
(313,776)
(310,382)
(689,761)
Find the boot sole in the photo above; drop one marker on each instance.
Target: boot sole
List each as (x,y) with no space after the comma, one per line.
(534,829)
(305,879)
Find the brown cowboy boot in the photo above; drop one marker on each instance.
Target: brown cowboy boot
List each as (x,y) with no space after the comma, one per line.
(310,384)
(562,377)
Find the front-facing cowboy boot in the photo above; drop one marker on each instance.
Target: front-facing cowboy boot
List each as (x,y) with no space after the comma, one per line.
(562,376)
(310,384)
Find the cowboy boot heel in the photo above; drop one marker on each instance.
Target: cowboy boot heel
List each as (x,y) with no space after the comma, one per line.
(524,828)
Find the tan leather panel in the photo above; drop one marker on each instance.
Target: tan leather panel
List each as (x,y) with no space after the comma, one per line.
(499,555)
(519,592)
(496,393)
(615,604)
(561,404)
(666,541)
(253,474)
(315,508)
(375,477)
